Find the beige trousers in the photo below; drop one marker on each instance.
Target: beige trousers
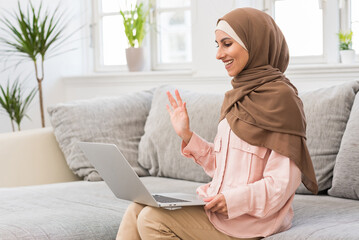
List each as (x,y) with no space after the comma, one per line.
(145,222)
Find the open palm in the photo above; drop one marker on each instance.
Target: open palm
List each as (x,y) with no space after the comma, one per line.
(179,116)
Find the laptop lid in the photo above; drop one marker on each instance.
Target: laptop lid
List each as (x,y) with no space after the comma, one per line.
(117,172)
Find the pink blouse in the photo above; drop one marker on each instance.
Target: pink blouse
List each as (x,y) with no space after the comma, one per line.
(257,183)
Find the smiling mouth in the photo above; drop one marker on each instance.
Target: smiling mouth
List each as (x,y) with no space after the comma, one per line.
(227,63)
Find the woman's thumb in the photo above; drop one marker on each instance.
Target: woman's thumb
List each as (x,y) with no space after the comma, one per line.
(208,199)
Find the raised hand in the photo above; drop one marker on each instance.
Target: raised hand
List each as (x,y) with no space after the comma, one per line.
(179,116)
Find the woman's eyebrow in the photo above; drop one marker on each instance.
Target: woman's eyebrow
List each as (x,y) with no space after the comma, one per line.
(223,39)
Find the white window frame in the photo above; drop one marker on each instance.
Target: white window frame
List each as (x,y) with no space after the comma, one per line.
(345,18)
(150,40)
(344,6)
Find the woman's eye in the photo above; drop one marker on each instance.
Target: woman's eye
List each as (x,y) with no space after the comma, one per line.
(227,44)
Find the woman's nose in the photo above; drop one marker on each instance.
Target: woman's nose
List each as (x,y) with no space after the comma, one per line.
(220,54)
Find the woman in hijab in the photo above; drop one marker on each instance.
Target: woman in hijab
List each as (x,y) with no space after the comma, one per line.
(259,155)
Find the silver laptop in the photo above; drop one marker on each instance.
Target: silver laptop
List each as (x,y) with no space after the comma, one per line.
(124,182)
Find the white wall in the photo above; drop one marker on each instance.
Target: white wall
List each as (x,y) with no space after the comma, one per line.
(56,68)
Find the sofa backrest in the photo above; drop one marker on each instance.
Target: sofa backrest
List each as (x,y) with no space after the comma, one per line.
(155,147)
(327,112)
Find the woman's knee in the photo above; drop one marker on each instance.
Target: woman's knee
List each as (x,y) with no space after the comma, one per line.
(147,215)
(135,207)
(148,221)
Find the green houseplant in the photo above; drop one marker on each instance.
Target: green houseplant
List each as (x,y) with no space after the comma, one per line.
(134,22)
(347,54)
(31,34)
(14,103)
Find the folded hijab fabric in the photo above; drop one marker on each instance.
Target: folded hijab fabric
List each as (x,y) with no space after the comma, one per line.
(263,108)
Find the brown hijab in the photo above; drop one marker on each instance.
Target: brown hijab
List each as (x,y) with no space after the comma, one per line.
(263,108)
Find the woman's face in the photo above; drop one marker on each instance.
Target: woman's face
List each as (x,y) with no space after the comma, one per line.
(232,54)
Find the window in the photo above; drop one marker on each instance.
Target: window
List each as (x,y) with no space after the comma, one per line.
(305,36)
(111,41)
(354,6)
(311,26)
(172,34)
(168,38)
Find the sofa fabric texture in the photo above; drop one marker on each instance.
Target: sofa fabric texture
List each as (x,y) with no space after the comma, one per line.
(322,217)
(70,211)
(159,148)
(119,120)
(327,112)
(89,210)
(346,170)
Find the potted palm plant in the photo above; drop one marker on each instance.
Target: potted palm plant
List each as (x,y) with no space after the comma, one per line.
(14,103)
(134,22)
(31,35)
(347,54)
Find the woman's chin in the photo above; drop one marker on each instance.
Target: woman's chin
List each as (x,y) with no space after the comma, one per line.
(231,74)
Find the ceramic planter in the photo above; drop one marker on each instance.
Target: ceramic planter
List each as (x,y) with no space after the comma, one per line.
(347,56)
(135,59)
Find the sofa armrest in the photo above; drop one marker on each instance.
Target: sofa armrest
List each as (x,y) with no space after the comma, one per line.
(32,157)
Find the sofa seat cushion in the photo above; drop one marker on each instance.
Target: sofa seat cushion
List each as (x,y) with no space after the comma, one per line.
(89,210)
(322,217)
(74,210)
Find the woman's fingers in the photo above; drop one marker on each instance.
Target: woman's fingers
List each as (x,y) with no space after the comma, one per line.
(215,208)
(216,204)
(172,100)
(169,109)
(211,204)
(179,99)
(174,103)
(185,107)
(219,208)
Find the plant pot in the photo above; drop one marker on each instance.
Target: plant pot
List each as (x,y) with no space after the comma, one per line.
(347,56)
(135,59)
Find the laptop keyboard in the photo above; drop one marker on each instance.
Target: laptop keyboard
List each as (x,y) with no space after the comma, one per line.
(163,199)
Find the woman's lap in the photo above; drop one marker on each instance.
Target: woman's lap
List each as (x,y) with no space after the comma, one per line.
(158,223)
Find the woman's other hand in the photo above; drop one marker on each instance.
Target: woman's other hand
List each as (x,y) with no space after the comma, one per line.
(217,204)
(179,116)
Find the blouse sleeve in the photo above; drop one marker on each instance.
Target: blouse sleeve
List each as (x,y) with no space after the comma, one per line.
(202,152)
(281,177)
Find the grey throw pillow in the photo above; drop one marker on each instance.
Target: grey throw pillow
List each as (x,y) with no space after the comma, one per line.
(119,120)
(327,112)
(159,149)
(346,170)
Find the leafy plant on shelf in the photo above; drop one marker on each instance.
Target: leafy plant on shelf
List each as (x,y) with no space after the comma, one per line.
(345,40)
(31,34)
(14,103)
(134,22)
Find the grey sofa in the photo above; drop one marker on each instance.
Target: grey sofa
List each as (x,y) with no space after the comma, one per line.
(60,205)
